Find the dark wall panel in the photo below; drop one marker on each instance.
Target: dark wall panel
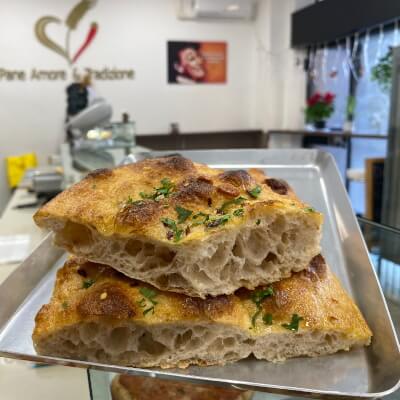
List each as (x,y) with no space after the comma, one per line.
(329,20)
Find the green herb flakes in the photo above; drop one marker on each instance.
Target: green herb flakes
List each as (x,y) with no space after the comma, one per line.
(200,218)
(130,201)
(255,192)
(183,214)
(170,223)
(161,192)
(258,222)
(227,204)
(239,212)
(144,195)
(87,283)
(213,223)
(164,190)
(147,310)
(149,295)
(309,210)
(294,323)
(64,305)
(94,186)
(255,316)
(257,297)
(267,319)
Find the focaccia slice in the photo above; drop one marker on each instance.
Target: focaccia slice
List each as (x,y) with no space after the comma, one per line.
(100,315)
(130,387)
(184,227)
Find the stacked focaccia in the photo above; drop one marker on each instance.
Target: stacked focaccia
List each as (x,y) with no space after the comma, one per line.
(175,263)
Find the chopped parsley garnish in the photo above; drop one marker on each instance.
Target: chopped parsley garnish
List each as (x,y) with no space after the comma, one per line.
(94,186)
(183,214)
(147,310)
(255,192)
(267,319)
(144,195)
(257,297)
(309,210)
(294,323)
(213,223)
(239,212)
(161,192)
(130,201)
(64,305)
(165,188)
(87,283)
(201,218)
(227,204)
(258,222)
(170,223)
(148,294)
(255,316)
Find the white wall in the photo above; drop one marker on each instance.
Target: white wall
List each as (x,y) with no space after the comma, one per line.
(280,100)
(132,34)
(261,91)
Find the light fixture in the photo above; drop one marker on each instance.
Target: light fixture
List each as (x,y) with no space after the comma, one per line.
(232,7)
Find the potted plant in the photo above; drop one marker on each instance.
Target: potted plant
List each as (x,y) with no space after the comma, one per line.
(382,72)
(350,108)
(319,109)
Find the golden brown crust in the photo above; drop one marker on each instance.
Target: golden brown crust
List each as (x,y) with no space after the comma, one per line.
(315,295)
(128,387)
(131,200)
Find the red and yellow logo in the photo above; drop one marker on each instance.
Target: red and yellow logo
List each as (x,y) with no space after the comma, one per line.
(71,22)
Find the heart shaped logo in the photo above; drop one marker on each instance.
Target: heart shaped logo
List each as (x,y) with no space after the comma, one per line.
(72,21)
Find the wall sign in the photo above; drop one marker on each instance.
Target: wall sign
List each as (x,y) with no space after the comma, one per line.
(197,62)
(71,56)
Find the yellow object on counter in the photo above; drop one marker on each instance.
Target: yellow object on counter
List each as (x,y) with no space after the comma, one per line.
(17,165)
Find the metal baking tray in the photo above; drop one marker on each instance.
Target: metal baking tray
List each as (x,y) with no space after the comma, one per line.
(363,373)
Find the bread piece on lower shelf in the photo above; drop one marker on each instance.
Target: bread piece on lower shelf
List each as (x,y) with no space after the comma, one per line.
(185,227)
(98,314)
(129,387)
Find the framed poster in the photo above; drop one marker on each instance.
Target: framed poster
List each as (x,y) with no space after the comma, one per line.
(196,62)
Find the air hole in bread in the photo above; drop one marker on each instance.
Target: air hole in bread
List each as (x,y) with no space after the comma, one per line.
(229,342)
(89,331)
(133,247)
(279,225)
(231,355)
(176,280)
(115,247)
(118,340)
(76,235)
(237,249)
(148,249)
(183,339)
(271,257)
(165,254)
(150,346)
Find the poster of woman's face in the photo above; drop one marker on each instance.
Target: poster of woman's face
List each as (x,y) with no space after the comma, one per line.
(196,62)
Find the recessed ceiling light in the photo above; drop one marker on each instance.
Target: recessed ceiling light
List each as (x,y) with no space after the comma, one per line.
(232,7)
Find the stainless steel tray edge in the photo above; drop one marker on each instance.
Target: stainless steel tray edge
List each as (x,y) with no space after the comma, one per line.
(20,283)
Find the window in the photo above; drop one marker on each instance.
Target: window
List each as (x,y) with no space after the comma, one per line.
(331,74)
(331,70)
